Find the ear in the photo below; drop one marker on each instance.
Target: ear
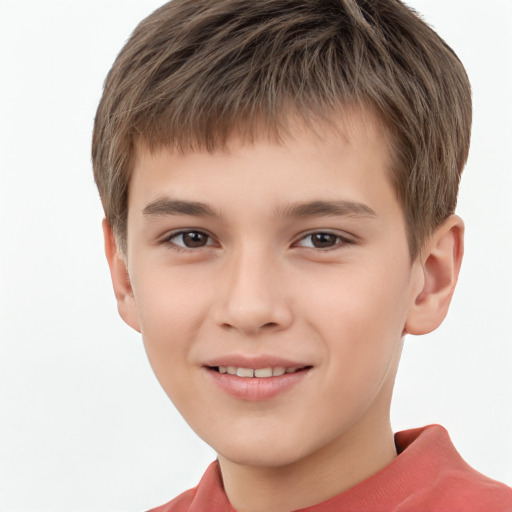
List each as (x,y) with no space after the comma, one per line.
(440,263)
(120,279)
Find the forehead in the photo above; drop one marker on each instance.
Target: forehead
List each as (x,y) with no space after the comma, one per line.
(307,159)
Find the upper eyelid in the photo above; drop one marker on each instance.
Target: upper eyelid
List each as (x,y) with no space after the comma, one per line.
(344,236)
(344,241)
(166,238)
(182,231)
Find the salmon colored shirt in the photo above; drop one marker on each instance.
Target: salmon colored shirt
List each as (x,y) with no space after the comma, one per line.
(427,476)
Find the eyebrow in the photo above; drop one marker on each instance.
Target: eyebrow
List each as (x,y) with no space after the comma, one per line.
(326,208)
(165,206)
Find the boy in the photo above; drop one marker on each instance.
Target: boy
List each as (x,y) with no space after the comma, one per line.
(279,179)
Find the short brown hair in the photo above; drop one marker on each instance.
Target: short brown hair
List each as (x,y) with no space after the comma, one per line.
(196,71)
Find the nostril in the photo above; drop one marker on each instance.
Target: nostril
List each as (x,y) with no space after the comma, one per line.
(268,326)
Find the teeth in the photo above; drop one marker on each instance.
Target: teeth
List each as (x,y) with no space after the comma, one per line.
(245,372)
(263,372)
(260,372)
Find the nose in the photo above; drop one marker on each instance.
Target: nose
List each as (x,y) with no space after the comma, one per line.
(251,295)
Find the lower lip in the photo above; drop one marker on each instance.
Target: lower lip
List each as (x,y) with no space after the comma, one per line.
(256,388)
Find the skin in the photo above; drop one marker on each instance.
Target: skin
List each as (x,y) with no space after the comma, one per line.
(255,282)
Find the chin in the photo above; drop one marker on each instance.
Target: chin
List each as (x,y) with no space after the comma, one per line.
(267,457)
(263,451)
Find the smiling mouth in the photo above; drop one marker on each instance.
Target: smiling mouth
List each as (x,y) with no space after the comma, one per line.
(260,373)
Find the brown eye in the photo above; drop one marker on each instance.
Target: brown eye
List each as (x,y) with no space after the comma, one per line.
(191,239)
(324,240)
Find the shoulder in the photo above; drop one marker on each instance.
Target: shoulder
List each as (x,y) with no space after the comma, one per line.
(181,503)
(208,496)
(451,483)
(468,491)
(465,489)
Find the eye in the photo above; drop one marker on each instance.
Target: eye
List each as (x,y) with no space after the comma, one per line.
(190,239)
(322,240)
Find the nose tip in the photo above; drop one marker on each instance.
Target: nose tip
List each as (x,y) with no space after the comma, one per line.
(252,298)
(253,320)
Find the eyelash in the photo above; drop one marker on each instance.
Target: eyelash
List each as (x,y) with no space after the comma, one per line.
(169,239)
(340,240)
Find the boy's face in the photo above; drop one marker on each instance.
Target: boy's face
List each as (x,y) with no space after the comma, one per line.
(269,255)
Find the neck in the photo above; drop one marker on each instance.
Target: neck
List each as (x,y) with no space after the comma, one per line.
(342,464)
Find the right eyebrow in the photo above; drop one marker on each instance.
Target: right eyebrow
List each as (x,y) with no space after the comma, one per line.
(165,206)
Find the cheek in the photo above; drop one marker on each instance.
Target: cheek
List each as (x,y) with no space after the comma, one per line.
(361,316)
(359,298)
(171,308)
(168,299)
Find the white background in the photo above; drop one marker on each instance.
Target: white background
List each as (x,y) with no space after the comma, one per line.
(84,423)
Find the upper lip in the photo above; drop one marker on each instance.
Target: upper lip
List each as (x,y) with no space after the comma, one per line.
(254,362)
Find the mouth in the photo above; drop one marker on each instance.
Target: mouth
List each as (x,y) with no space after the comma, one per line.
(257,384)
(258,373)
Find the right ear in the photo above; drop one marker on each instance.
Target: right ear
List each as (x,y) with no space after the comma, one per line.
(120,279)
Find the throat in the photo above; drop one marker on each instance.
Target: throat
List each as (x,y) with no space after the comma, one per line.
(310,481)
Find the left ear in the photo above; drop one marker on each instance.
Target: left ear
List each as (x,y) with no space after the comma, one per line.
(440,260)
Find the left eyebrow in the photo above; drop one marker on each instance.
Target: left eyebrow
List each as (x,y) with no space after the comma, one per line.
(166,206)
(326,208)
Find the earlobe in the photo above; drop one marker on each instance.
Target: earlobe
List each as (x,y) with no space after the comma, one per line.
(440,263)
(120,279)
